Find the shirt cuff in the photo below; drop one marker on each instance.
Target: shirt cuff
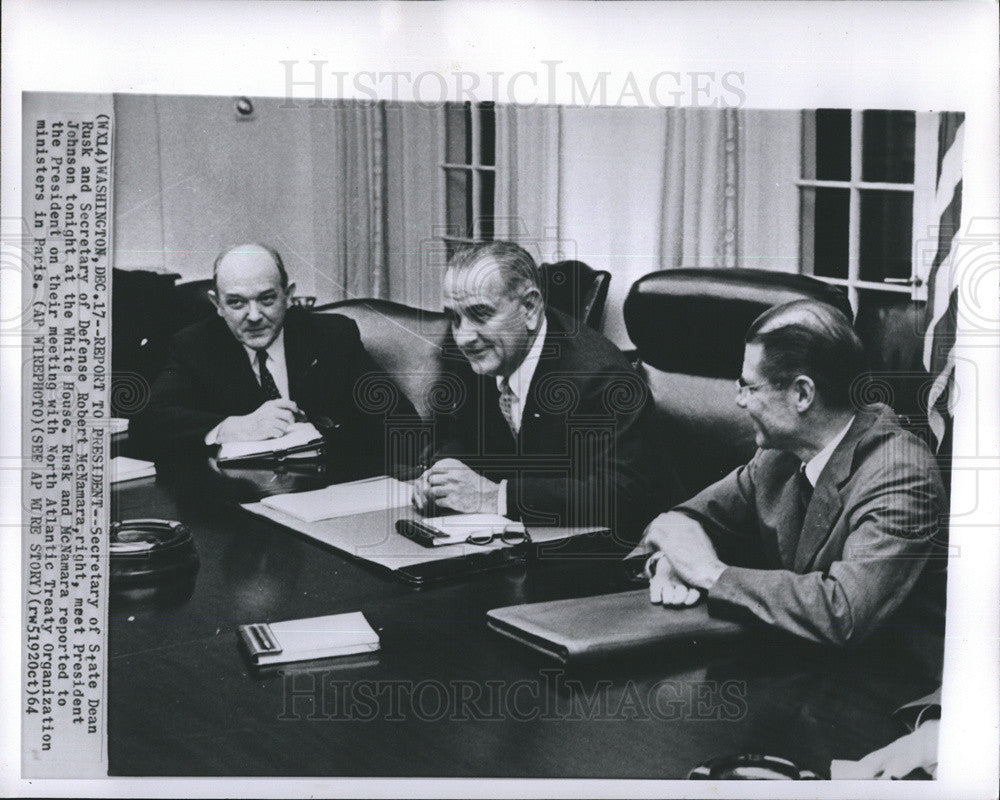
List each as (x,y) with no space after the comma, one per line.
(502,499)
(714,575)
(727,587)
(212,437)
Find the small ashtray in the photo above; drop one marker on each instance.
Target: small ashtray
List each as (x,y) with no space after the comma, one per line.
(149,552)
(750,767)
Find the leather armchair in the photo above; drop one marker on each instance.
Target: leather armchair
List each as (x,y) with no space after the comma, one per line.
(688,326)
(405,342)
(576,289)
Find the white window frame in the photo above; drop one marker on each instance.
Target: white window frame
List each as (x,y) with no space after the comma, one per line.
(922,189)
(475,169)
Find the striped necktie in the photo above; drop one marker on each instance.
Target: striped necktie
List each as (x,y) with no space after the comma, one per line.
(507,405)
(266,378)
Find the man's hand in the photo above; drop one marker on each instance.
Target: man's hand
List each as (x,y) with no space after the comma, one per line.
(665,587)
(451,484)
(273,419)
(917,750)
(692,560)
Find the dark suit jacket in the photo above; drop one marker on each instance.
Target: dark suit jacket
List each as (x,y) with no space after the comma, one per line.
(583,455)
(855,560)
(208,377)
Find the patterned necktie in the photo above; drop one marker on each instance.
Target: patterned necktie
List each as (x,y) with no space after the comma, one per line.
(507,405)
(266,379)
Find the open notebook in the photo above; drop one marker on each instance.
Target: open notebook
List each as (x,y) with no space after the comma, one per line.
(301,441)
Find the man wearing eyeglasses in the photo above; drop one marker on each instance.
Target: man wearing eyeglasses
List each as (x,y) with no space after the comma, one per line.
(827,531)
(551,425)
(258,366)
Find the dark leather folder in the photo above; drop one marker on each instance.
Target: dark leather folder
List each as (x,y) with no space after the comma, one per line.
(606,625)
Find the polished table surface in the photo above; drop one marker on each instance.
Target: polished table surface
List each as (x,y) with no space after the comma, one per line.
(445,696)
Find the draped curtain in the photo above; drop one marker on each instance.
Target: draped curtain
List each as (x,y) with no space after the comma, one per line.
(698,216)
(349,183)
(414,203)
(634,190)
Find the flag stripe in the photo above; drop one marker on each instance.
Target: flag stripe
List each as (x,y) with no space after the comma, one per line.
(942,303)
(948,129)
(940,280)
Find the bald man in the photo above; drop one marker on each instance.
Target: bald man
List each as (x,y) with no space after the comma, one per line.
(258,366)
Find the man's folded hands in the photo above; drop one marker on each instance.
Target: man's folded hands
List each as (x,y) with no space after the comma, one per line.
(683,564)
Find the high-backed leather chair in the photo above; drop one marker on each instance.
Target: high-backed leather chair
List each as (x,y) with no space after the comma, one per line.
(688,326)
(576,289)
(143,321)
(404,341)
(192,301)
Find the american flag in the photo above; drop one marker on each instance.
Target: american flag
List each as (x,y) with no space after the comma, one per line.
(942,299)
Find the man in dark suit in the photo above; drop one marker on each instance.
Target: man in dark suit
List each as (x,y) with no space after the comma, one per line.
(826,532)
(551,425)
(248,373)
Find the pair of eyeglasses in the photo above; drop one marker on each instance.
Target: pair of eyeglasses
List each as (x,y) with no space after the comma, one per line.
(743,388)
(507,536)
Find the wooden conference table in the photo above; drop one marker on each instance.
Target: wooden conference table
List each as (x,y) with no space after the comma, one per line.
(445,696)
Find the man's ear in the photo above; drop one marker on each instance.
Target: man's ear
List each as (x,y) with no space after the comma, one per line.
(214,297)
(533,306)
(804,392)
(290,292)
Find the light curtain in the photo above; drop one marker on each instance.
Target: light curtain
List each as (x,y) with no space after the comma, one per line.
(414,203)
(349,182)
(528,173)
(633,190)
(698,213)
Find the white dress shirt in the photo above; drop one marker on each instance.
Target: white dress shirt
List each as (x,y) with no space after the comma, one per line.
(814,467)
(275,363)
(520,379)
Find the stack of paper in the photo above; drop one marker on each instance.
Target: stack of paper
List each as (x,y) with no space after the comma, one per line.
(302,440)
(342,500)
(130,469)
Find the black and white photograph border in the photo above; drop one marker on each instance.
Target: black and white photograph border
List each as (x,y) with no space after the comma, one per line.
(738,98)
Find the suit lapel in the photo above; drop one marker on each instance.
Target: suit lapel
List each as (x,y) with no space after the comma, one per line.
(533,412)
(827,503)
(299,357)
(494,430)
(234,369)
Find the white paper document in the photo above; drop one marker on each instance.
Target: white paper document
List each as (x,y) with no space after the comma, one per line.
(343,499)
(124,468)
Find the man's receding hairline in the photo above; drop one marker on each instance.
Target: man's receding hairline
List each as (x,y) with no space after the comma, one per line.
(499,274)
(515,265)
(805,317)
(251,247)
